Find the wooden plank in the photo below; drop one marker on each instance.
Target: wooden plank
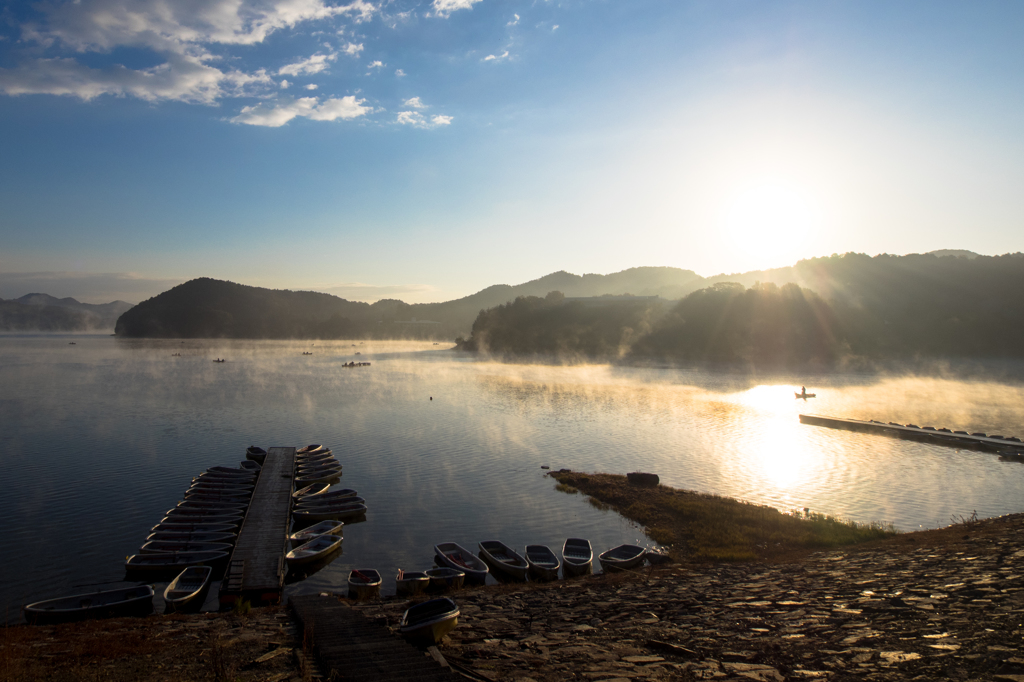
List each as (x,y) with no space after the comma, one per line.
(257,569)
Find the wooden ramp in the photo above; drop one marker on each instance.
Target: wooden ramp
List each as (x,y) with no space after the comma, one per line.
(257,567)
(348,646)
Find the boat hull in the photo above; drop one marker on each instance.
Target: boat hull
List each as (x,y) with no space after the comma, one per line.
(455,556)
(430,621)
(132,601)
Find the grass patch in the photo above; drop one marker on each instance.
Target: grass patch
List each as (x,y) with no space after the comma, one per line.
(707,527)
(563,488)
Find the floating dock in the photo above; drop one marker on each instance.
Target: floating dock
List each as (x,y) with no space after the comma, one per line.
(928,434)
(349,646)
(257,568)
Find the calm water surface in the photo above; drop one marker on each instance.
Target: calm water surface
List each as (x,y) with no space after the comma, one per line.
(98,438)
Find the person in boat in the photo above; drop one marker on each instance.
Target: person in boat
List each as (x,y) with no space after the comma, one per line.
(803,390)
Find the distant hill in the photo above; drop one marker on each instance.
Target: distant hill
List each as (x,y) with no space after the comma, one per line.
(42,312)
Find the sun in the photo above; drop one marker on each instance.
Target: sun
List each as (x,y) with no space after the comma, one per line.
(770,220)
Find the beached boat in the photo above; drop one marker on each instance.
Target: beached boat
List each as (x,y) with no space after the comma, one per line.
(364,583)
(158,546)
(169,561)
(430,621)
(309,449)
(458,557)
(314,489)
(185,593)
(329,527)
(445,578)
(411,583)
(621,558)
(124,601)
(256,454)
(181,525)
(658,555)
(543,562)
(339,512)
(316,548)
(186,536)
(577,557)
(503,559)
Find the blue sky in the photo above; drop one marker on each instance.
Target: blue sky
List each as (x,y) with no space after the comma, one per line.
(423,150)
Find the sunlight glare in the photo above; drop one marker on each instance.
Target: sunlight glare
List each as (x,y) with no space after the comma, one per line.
(769,219)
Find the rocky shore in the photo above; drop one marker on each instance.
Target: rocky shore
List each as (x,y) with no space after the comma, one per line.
(943,604)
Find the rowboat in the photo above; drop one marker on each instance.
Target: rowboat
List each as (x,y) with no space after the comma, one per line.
(315,549)
(323,528)
(316,503)
(124,601)
(340,512)
(231,470)
(318,477)
(221,506)
(315,466)
(344,495)
(503,559)
(430,621)
(364,583)
(621,558)
(805,396)
(411,583)
(445,578)
(314,489)
(313,457)
(577,557)
(246,478)
(158,546)
(208,515)
(172,560)
(455,556)
(216,495)
(185,592)
(186,536)
(250,465)
(309,449)
(182,525)
(222,486)
(256,454)
(543,562)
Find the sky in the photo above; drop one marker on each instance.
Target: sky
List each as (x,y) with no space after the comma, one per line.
(426,149)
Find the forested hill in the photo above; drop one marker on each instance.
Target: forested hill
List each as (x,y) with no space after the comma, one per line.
(42,312)
(869,307)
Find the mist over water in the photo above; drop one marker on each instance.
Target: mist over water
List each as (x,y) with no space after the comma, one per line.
(99,438)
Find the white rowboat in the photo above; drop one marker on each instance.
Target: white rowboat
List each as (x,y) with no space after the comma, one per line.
(458,557)
(184,593)
(577,557)
(503,559)
(316,548)
(543,562)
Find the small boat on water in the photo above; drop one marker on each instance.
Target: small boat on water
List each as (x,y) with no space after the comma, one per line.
(543,562)
(458,557)
(316,466)
(316,503)
(445,578)
(207,515)
(430,621)
(158,546)
(411,583)
(323,476)
(182,525)
(309,449)
(342,495)
(185,536)
(364,583)
(250,465)
(185,591)
(231,470)
(256,454)
(577,557)
(246,477)
(167,561)
(318,547)
(314,489)
(329,527)
(621,558)
(124,601)
(221,506)
(216,496)
(222,486)
(339,512)
(316,456)
(503,559)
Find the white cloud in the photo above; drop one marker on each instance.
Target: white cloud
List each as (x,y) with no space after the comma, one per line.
(444,8)
(378,64)
(179,33)
(416,119)
(415,103)
(400,73)
(514,21)
(555,27)
(352,49)
(497,58)
(311,86)
(315,64)
(285,84)
(275,116)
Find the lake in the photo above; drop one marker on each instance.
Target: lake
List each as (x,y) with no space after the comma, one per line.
(100,436)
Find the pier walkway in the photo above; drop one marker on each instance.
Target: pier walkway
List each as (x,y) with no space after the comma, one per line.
(257,568)
(349,646)
(928,434)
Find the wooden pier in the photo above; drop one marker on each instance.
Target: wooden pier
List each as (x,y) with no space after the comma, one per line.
(257,568)
(927,434)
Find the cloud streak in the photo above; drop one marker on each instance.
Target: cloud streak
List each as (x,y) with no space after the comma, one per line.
(276,115)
